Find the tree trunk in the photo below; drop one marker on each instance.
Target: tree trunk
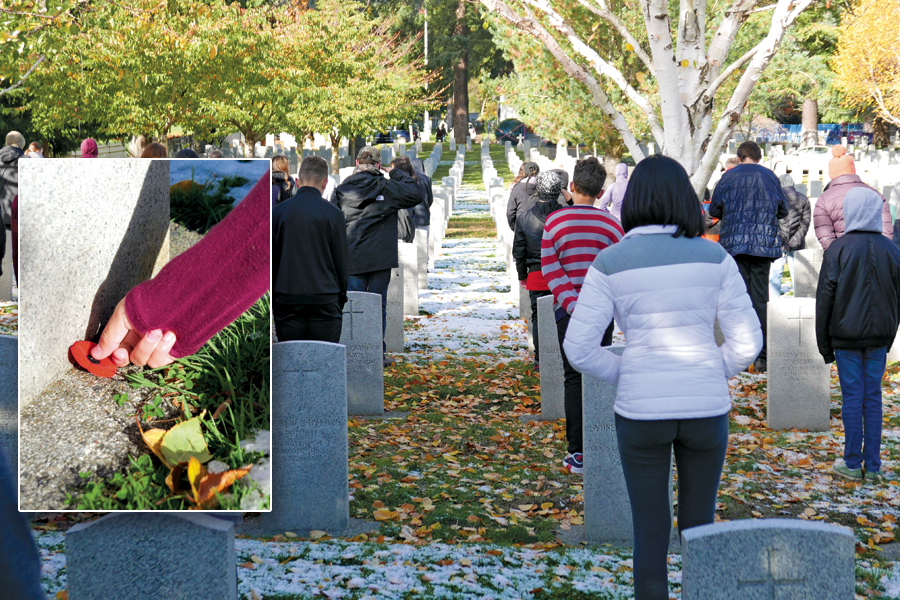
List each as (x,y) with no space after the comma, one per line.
(809,135)
(461,78)
(335,148)
(250,140)
(880,138)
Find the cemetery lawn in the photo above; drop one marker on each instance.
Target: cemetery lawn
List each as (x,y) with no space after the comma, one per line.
(9,318)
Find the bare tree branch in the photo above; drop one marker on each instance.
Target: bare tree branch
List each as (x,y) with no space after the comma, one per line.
(603,11)
(24,77)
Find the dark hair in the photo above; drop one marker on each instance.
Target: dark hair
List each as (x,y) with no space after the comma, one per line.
(588,176)
(313,170)
(660,193)
(749,150)
(402,163)
(527,170)
(186,153)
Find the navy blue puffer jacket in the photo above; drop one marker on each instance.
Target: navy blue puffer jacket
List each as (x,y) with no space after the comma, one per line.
(749,201)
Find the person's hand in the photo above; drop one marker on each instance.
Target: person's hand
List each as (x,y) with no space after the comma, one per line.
(523,282)
(567,195)
(124,344)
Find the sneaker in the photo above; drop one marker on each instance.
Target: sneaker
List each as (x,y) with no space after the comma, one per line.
(574,463)
(841,468)
(874,477)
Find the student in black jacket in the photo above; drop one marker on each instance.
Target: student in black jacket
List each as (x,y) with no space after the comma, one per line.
(309,260)
(370,203)
(527,245)
(857,307)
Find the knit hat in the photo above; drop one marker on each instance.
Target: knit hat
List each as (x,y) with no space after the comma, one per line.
(16,139)
(369,154)
(549,186)
(841,164)
(89,148)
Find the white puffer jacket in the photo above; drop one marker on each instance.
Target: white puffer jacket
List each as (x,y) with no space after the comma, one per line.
(665,294)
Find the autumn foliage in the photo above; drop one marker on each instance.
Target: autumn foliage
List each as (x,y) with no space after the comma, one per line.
(868,58)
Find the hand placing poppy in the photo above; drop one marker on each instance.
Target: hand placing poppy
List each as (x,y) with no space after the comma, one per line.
(123,344)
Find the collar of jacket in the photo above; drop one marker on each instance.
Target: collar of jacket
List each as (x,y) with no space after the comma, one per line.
(651,230)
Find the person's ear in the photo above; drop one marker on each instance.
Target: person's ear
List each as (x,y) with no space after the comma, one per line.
(572,186)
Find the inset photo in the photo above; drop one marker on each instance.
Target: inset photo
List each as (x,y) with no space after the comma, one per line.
(144,343)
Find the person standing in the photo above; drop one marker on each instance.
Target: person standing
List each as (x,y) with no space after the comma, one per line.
(857,308)
(421,213)
(749,201)
(89,148)
(309,260)
(828,216)
(573,236)
(666,287)
(370,202)
(9,172)
(521,192)
(793,234)
(35,150)
(526,248)
(615,194)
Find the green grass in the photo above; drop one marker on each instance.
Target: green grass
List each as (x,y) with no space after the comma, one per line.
(199,207)
(471,227)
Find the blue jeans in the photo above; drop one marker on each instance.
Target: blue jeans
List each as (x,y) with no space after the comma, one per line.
(20,566)
(776,271)
(860,373)
(375,282)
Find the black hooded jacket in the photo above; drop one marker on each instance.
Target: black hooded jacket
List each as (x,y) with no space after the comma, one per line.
(794,226)
(370,203)
(527,240)
(9,179)
(520,200)
(421,213)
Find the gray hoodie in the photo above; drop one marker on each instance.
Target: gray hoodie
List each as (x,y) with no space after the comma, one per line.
(862,210)
(615,193)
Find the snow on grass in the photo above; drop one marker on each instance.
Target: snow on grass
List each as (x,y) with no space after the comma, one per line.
(209,170)
(472,307)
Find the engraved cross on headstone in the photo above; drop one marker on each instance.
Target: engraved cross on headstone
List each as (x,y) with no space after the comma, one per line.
(799,318)
(770,581)
(349,312)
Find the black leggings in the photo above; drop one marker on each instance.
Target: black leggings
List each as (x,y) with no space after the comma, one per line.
(646,451)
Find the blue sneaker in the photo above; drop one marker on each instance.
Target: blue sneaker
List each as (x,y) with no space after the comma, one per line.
(574,463)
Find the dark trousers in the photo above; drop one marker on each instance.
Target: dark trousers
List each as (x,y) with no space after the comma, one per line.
(572,389)
(20,565)
(755,271)
(645,448)
(860,372)
(534,295)
(375,282)
(298,322)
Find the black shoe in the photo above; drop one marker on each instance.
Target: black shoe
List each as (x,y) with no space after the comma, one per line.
(760,365)
(387,362)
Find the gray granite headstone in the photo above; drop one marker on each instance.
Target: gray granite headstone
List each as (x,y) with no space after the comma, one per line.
(309,440)
(135,556)
(607,510)
(9,389)
(82,256)
(798,379)
(361,333)
(393,333)
(409,262)
(552,373)
(807,264)
(801,187)
(422,258)
(525,312)
(762,559)
(815,188)
(811,241)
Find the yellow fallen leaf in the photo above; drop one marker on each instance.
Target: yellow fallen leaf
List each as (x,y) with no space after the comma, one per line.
(809,512)
(184,441)
(62,595)
(316,534)
(466,562)
(629,47)
(195,472)
(640,77)
(153,438)
(546,506)
(290,534)
(526,507)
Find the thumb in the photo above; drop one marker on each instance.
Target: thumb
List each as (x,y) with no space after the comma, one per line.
(113,334)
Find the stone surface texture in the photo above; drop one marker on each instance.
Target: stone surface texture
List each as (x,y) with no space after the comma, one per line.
(152,555)
(87,245)
(393,334)
(309,437)
(807,264)
(798,390)
(552,373)
(361,333)
(762,559)
(409,262)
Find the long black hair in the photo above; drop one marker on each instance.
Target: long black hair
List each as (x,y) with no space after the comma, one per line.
(660,193)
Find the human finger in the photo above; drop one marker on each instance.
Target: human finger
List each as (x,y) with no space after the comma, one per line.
(145,347)
(113,334)
(160,356)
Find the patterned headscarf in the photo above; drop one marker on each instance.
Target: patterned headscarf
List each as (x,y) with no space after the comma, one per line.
(549,186)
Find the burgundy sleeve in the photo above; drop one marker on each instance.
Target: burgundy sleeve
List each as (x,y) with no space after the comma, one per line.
(201,291)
